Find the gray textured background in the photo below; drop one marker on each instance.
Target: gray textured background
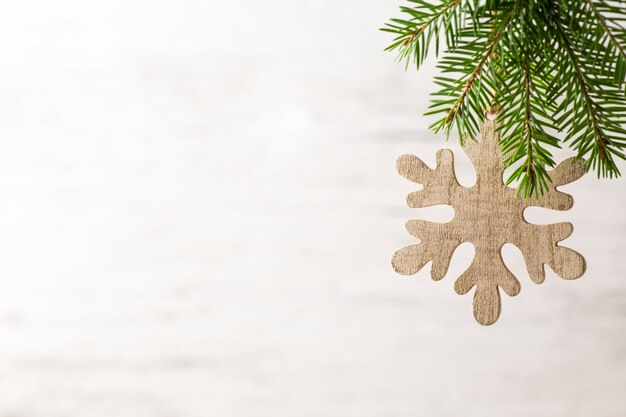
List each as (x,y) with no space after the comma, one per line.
(199,205)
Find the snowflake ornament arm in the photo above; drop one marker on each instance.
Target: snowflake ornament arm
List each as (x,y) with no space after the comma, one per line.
(487,214)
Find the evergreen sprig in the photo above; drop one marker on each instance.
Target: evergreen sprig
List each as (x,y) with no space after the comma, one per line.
(540,65)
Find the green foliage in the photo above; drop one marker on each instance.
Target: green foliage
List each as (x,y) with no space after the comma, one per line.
(541,65)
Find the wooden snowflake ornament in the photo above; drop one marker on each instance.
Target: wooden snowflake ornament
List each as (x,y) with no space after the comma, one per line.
(487,214)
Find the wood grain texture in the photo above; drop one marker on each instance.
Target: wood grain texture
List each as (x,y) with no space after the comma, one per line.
(487,214)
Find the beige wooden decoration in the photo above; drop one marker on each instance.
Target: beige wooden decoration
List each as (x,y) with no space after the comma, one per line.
(488,215)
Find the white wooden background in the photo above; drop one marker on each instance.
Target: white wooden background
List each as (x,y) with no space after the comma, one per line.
(198,209)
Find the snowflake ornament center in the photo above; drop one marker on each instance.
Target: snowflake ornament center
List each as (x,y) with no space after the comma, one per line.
(488,215)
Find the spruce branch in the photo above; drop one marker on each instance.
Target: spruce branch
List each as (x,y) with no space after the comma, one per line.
(608,14)
(541,65)
(610,31)
(584,86)
(524,132)
(426,20)
(474,93)
(595,136)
